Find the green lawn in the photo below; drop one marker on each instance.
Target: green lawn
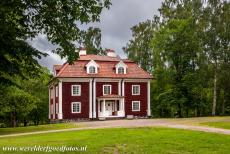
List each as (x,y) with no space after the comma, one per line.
(126,140)
(225,125)
(4,131)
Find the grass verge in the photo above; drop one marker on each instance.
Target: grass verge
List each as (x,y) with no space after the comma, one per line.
(127,140)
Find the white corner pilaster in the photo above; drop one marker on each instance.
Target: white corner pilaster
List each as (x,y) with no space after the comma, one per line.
(149,109)
(94,99)
(60,114)
(119,87)
(90,98)
(49,104)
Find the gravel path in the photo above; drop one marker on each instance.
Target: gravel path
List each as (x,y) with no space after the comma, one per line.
(131,124)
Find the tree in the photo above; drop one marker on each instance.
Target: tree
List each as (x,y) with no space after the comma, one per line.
(57,19)
(138,49)
(216,35)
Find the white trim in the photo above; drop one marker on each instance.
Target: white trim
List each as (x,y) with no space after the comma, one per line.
(138,103)
(94,64)
(74,79)
(148,93)
(110,87)
(79,103)
(138,87)
(121,64)
(56,91)
(107,80)
(137,80)
(76,85)
(60,115)
(123,88)
(90,98)
(119,87)
(94,99)
(49,103)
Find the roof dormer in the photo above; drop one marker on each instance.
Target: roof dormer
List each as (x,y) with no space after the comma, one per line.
(121,68)
(92,67)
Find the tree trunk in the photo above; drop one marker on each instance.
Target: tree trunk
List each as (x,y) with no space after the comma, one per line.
(13,119)
(223,106)
(214,93)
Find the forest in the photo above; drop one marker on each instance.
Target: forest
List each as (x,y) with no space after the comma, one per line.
(185,47)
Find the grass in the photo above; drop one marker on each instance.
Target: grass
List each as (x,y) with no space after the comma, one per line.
(126,140)
(225,125)
(4,131)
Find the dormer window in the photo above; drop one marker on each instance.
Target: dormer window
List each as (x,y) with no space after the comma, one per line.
(92,70)
(92,67)
(121,70)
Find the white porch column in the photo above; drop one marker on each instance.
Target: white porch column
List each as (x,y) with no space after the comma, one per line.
(149,110)
(90,98)
(60,115)
(123,88)
(94,99)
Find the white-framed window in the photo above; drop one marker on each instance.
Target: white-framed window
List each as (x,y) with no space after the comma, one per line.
(76,107)
(135,89)
(107,89)
(76,90)
(92,70)
(92,67)
(135,105)
(56,91)
(56,108)
(121,70)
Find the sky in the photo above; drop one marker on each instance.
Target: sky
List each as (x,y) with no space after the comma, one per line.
(115,25)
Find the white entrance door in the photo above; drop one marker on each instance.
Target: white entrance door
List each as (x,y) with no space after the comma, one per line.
(108,107)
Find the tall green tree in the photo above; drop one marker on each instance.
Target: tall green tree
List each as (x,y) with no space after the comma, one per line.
(57,19)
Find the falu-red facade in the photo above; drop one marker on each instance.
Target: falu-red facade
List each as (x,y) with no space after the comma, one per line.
(99,87)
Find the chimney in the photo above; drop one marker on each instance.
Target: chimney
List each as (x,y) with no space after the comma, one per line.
(111,53)
(82,51)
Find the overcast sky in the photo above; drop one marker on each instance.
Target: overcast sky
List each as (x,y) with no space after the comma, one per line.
(115,25)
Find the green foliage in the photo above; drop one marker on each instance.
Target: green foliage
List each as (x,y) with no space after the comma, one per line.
(26,102)
(188,51)
(58,20)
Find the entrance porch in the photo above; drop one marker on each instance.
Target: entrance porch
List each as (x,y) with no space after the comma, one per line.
(110,106)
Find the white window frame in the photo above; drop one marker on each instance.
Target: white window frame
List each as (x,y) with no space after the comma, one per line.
(139,105)
(56,91)
(79,103)
(133,89)
(121,64)
(79,86)
(110,87)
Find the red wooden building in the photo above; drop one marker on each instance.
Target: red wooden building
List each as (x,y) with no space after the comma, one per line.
(98,87)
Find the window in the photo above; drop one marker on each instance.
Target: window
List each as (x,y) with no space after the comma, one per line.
(56,91)
(76,90)
(121,70)
(135,105)
(92,70)
(76,107)
(135,89)
(106,89)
